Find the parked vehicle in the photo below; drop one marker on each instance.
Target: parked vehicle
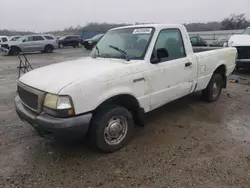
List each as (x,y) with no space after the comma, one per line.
(220,42)
(69,41)
(197,41)
(3,39)
(14,38)
(30,43)
(131,71)
(90,43)
(242,43)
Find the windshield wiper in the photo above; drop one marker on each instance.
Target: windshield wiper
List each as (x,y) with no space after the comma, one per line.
(121,51)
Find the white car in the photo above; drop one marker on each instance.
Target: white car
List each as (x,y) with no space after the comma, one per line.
(131,71)
(242,43)
(4,39)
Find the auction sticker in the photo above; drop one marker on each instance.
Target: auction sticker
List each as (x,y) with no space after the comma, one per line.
(142,31)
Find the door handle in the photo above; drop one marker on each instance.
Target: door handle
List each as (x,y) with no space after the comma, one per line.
(188,64)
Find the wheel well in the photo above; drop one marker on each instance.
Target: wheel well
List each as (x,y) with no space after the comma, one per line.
(49,45)
(15,47)
(130,103)
(222,71)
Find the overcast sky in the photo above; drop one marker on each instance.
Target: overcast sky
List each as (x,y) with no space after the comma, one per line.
(46,15)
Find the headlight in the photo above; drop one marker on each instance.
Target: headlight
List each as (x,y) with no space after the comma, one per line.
(60,106)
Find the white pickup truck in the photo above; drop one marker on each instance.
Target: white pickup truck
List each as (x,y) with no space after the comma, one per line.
(131,71)
(242,44)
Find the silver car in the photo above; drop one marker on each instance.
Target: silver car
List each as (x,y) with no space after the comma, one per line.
(30,43)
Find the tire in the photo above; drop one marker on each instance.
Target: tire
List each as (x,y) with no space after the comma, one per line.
(214,88)
(48,49)
(116,117)
(14,51)
(61,46)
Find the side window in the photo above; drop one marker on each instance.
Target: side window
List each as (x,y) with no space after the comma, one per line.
(38,38)
(171,40)
(4,39)
(194,40)
(30,38)
(49,37)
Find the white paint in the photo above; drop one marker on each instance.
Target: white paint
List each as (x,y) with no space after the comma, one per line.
(90,82)
(239,40)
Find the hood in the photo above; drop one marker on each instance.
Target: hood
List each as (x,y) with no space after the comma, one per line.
(55,77)
(239,40)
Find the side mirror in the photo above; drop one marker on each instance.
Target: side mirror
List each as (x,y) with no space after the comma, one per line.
(24,40)
(160,54)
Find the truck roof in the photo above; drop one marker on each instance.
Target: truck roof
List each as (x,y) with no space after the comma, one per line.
(156,26)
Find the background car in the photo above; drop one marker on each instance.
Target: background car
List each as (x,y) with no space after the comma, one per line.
(3,39)
(90,43)
(30,43)
(72,40)
(197,41)
(220,42)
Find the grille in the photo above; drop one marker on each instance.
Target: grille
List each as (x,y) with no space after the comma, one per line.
(6,46)
(30,99)
(243,52)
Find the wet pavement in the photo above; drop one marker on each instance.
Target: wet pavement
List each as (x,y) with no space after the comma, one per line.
(187,143)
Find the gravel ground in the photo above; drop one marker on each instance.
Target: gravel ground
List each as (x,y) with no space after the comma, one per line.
(187,143)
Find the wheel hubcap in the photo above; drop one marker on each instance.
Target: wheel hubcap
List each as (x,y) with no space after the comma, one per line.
(116,130)
(216,89)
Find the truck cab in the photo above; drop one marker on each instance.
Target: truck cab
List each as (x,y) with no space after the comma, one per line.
(131,71)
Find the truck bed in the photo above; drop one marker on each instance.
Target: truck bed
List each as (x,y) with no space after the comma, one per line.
(202,49)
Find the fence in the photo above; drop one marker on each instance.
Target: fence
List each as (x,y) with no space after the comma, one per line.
(211,36)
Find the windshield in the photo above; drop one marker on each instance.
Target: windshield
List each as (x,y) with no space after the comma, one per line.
(97,36)
(21,38)
(15,38)
(247,31)
(133,42)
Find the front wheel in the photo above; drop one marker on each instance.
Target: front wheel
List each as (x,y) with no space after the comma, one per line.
(214,88)
(14,51)
(112,128)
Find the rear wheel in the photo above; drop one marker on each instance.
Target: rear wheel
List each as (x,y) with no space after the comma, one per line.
(48,49)
(214,88)
(14,51)
(112,127)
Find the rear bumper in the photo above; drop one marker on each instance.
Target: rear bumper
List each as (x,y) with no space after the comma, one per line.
(243,63)
(46,125)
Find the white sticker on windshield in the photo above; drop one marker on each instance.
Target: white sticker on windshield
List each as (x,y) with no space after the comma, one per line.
(142,31)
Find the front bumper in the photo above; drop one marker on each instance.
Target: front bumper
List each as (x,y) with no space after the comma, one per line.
(49,126)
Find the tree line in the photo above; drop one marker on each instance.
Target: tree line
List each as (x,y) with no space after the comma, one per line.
(232,22)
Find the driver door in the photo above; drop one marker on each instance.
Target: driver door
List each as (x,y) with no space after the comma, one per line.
(173,76)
